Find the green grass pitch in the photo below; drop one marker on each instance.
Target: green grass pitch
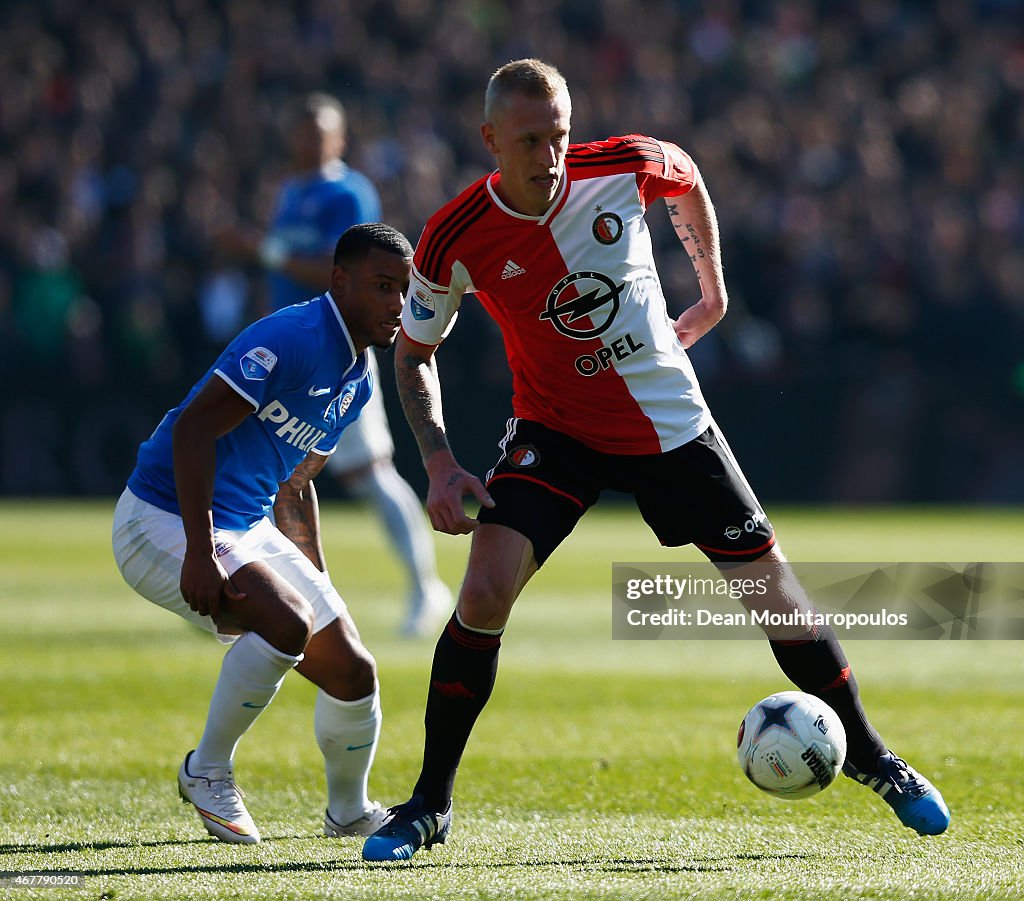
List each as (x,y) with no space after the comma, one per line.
(600,769)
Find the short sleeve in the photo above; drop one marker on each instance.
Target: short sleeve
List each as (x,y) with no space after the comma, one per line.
(431,309)
(672,173)
(265,358)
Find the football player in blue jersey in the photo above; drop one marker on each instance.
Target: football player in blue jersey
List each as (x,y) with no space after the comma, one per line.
(193,533)
(320,200)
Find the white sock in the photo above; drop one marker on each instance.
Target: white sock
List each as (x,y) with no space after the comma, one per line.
(347,733)
(250,676)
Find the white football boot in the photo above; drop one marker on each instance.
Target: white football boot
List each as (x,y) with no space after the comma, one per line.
(218,801)
(367,824)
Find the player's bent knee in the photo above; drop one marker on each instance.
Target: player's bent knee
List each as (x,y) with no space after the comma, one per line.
(482,603)
(363,672)
(291,627)
(353,676)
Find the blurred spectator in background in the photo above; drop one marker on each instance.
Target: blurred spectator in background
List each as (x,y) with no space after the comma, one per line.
(319,200)
(871,151)
(322,197)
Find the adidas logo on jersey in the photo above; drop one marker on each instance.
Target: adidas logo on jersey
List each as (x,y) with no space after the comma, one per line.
(511,270)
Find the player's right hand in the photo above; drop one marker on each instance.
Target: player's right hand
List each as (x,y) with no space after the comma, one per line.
(204,583)
(449,484)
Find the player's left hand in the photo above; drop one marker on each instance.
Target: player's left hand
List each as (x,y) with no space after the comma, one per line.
(204,584)
(696,321)
(449,484)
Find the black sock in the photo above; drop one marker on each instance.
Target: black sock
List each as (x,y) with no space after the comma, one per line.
(818,666)
(461,679)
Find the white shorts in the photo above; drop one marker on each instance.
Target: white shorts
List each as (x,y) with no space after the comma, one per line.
(369,437)
(149,547)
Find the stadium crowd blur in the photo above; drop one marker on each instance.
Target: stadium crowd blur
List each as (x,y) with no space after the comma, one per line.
(866,160)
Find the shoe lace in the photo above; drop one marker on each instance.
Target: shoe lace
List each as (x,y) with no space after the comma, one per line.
(400,819)
(905,779)
(223,783)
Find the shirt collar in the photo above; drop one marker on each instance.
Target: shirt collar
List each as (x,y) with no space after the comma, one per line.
(356,358)
(556,204)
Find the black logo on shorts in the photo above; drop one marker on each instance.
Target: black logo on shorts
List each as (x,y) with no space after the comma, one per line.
(607,228)
(524,457)
(597,299)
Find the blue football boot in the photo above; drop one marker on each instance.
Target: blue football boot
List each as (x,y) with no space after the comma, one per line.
(409,827)
(917,802)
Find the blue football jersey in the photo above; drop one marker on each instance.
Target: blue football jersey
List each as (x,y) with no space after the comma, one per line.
(299,370)
(311,214)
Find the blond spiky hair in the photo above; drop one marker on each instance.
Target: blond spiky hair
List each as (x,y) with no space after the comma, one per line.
(530,77)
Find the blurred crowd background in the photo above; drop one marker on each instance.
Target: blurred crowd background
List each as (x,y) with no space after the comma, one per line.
(866,160)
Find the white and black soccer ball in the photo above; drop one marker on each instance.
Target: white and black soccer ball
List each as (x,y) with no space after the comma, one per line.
(791,745)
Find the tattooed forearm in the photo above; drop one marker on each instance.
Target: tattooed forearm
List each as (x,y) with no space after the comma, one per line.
(692,232)
(297,515)
(693,219)
(419,389)
(687,235)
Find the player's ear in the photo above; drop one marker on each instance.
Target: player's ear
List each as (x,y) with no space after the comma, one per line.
(339,280)
(487,133)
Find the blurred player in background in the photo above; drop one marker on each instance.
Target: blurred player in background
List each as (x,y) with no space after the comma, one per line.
(193,534)
(555,246)
(321,199)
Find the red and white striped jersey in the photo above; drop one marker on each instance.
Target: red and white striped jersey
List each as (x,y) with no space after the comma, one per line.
(577,296)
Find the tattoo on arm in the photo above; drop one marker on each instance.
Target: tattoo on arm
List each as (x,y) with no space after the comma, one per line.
(698,233)
(686,234)
(420,392)
(297,512)
(693,219)
(696,239)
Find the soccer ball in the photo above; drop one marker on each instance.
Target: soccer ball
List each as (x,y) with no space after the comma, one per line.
(791,745)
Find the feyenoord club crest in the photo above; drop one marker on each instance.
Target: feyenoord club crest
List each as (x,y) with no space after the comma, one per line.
(524,456)
(607,228)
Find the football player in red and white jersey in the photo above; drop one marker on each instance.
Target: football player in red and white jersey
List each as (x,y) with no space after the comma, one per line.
(554,244)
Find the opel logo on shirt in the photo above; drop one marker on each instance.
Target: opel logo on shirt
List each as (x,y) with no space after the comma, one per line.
(591,308)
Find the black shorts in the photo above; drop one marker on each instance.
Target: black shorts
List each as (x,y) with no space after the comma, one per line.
(696,494)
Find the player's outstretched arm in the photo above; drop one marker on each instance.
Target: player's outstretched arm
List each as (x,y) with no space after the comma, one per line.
(419,388)
(297,511)
(214,411)
(696,226)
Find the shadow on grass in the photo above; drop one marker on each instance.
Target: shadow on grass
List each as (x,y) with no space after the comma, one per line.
(12,848)
(792,855)
(341,866)
(650,866)
(722,864)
